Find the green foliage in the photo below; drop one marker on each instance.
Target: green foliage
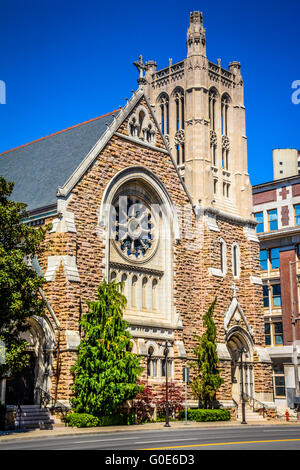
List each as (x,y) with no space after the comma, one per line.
(106,371)
(85,420)
(118,419)
(208,379)
(206,415)
(81,420)
(19,283)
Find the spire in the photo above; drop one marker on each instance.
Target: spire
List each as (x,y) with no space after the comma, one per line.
(196,40)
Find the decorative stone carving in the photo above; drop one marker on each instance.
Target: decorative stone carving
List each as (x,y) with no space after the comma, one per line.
(167,139)
(225,142)
(140,125)
(213,138)
(179,137)
(134,228)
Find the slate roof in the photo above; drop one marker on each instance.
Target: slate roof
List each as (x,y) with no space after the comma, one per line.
(38,168)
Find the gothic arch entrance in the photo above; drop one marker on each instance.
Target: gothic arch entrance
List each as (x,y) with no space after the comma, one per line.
(241,370)
(22,387)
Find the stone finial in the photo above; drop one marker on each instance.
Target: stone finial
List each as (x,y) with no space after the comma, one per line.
(141,68)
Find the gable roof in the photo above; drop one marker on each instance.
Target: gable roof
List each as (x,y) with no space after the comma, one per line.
(48,169)
(40,167)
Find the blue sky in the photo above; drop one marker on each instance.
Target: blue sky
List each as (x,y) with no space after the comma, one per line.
(64,62)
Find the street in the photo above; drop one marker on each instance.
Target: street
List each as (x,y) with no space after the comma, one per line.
(189,438)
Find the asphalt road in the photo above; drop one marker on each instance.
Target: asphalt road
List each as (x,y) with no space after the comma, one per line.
(179,440)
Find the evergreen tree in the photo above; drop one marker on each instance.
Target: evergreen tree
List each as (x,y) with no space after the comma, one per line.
(106,371)
(208,379)
(19,283)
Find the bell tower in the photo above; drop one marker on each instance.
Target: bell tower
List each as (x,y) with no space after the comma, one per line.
(200,107)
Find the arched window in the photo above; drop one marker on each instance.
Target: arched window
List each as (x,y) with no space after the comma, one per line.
(224,114)
(178,96)
(223,256)
(113,276)
(163,101)
(151,363)
(212,98)
(154,294)
(235,260)
(144,293)
(133,292)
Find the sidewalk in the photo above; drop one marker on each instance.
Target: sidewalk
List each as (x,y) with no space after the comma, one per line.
(61,430)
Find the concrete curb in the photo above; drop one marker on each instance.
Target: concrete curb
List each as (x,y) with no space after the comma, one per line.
(65,431)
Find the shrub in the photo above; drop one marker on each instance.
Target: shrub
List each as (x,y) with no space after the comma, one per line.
(206,415)
(175,399)
(85,420)
(143,406)
(81,420)
(117,419)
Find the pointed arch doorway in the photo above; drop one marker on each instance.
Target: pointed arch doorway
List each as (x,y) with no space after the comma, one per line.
(241,370)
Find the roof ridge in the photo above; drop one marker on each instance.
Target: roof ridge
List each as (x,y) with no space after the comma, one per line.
(59,132)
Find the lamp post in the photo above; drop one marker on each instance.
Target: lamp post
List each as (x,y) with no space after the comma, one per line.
(295,358)
(166,353)
(241,351)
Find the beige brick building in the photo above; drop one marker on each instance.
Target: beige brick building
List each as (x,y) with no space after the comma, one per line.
(155,194)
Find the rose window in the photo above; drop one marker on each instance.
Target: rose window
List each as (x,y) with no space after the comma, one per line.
(133,228)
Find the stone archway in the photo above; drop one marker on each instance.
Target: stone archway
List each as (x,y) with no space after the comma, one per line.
(22,387)
(237,339)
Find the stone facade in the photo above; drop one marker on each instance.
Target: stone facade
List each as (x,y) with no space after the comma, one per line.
(196,244)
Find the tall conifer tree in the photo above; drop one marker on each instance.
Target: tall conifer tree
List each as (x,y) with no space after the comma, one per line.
(208,379)
(106,371)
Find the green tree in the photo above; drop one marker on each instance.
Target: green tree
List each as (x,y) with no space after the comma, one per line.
(19,283)
(208,379)
(106,371)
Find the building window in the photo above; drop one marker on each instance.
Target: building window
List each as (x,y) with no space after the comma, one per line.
(212,97)
(151,363)
(224,114)
(235,260)
(297,214)
(276,295)
(266,296)
(259,217)
(264,260)
(144,293)
(133,292)
(215,186)
(273,220)
(279,380)
(223,260)
(268,334)
(164,113)
(273,334)
(154,294)
(278,334)
(274,258)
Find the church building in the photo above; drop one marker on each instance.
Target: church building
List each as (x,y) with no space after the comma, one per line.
(155,194)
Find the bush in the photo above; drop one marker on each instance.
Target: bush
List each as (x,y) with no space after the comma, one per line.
(81,420)
(206,415)
(115,420)
(85,420)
